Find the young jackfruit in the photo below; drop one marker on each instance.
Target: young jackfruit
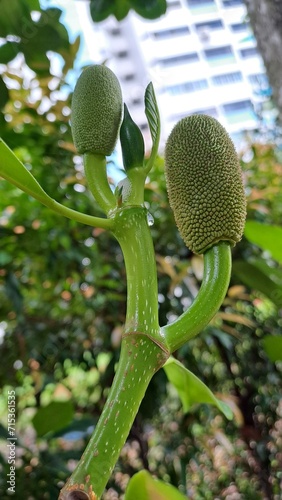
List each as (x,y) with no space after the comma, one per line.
(96,111)
(204,182)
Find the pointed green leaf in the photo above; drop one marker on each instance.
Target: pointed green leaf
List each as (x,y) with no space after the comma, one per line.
(53,417)
(152,112)
(191,389)
(142,486)
(267,237)
(273,347)
(153,117)
(15,172)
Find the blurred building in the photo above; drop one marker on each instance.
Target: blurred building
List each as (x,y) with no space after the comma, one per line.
(201,57)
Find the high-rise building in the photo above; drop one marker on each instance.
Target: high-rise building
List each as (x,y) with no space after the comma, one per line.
(201,57)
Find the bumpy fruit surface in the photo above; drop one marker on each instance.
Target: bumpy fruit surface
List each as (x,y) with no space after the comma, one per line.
(97,110)
(204,182)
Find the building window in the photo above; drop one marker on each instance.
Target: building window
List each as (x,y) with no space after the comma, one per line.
(231,3)
(220,55)
(136,101)
(250,52)
(207,111)
(122,54)
(115,31)
(201,6)
(239,111)
(185,58)
(129,77)
(174,4)
(183,88)
(238,27)
(160,35)
(210,25)
(195,3)
(227,78)
(259,79)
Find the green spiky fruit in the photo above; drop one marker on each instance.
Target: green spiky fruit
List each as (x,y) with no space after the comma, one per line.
(204,182)
(96,111)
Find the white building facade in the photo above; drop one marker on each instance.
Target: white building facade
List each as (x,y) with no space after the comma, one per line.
(201,57)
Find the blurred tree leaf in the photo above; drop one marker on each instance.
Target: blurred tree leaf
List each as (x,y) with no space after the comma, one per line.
(257,279)
(14,16)
(273,347)
(4,94)
(267,237)
(149,9)
(190,389)
(8,51)
(143,486)
(101,9)
(14,171)
(53,417)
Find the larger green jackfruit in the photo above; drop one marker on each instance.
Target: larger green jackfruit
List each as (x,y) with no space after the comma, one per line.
(97,110)
(204,182)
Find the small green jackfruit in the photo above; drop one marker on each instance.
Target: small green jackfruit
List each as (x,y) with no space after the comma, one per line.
(205,186)
(97,110)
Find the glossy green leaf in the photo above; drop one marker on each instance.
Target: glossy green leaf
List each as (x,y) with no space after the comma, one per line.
(153,117)
(142,486)
(53,417)
(257,279)
(192,390)
(149,9)
(267,237)
(4,94)
(272,345)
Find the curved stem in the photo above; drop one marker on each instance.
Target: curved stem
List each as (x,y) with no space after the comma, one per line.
(140,358)
(95,167)
(217,270)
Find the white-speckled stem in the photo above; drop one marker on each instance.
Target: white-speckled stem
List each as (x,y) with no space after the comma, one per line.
(140,358)
(133,234)
(143,352)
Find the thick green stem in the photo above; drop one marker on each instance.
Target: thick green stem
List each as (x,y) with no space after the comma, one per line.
(133,234)
(217,270)
(140,358)
(143,352)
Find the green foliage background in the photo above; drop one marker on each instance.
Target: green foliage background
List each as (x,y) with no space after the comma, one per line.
(62,305)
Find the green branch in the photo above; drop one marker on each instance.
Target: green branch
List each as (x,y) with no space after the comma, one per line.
(12,170)
(217,271)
